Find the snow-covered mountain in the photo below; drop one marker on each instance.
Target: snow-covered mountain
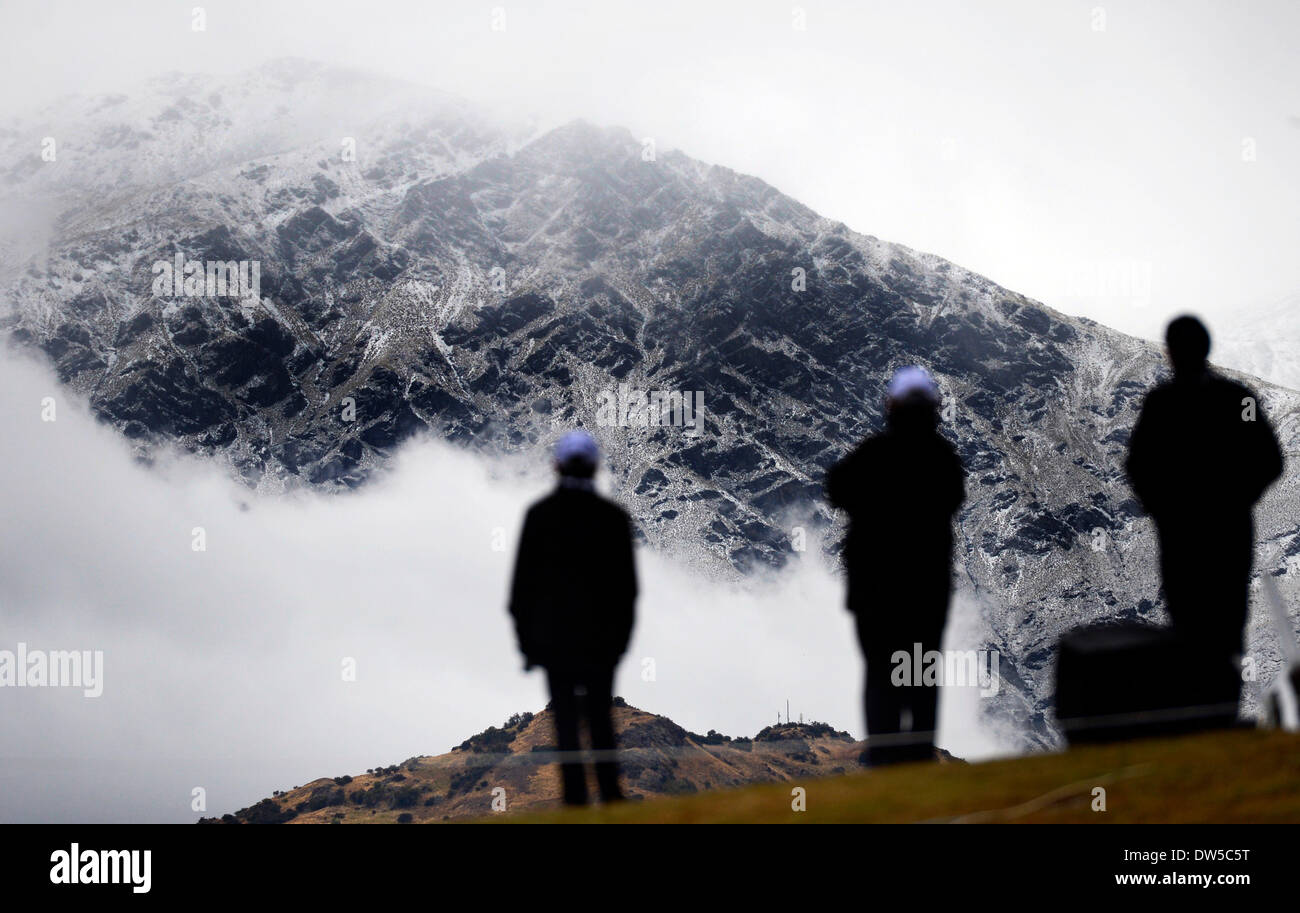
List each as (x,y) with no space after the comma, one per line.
(459,277)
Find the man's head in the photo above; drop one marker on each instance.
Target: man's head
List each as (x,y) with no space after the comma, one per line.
(912,399)
(1188,342)
(576,455)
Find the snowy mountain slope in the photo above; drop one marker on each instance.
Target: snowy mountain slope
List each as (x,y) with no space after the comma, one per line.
(451,280)
(77,163)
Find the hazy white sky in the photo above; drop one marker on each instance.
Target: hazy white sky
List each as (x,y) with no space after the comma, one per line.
(1067,153)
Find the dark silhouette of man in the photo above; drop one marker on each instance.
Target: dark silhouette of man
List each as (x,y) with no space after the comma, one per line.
(573,599)
(900,490)
(1202,453)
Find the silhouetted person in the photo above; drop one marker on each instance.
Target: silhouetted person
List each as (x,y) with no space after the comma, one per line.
(1202,453)
(573,600)
(900,490)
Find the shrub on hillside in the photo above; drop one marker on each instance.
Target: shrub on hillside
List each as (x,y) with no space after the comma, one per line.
(266,812)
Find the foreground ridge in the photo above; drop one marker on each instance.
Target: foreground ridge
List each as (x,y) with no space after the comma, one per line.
(658,758)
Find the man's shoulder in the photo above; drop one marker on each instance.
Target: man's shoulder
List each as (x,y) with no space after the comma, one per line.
(1161,391)
(929,443)
(953,456)
(614,509)
(563,500)
(1224,393)
(543,502)
(944,443)
(1212,396)
(857,460)
(1171,395)
(607,514)
(1228,387)
(869,448)
(542,506)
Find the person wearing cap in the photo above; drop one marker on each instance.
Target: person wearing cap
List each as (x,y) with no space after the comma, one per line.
(1200,456)
(573,599)
(900,489)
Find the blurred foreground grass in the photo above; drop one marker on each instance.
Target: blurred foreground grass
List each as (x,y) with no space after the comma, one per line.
(1234,776)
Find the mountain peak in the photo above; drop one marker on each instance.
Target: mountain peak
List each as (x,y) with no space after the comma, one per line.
(581,141)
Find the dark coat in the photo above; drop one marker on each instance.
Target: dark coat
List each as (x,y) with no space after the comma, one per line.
(574,585)
(1198,464)
(900,490)
(1192,454)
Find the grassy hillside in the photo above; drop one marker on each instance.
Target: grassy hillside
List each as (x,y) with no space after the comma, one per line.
(1238,776)
(677,776)
(516,763)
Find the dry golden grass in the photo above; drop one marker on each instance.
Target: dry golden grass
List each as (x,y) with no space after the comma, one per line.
(1220,777)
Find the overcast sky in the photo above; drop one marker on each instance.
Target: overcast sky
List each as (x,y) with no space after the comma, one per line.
(1069,150)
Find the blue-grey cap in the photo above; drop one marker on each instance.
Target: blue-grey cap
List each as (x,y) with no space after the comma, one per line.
(913,380)
(576,446)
